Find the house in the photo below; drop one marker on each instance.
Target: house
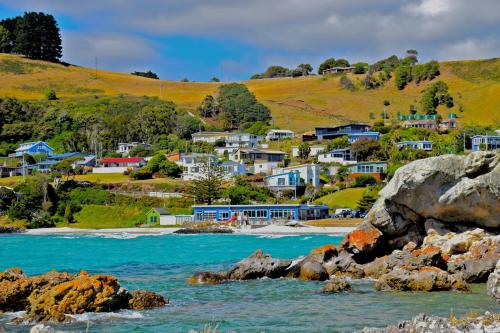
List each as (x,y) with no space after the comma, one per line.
(335,70)
(448,124)
(420,123)
(227,142)
(353,137)
(309,174)
(263,160)
(332,132)
(84,161)
(259,214)
(233,169)
(192,163)
(33,148)
(375,169)
(289,180)
(278,134)
(160,216)
(485,142)
(119,164)
(342,156)
(315,150)
(124,148)
(418,145)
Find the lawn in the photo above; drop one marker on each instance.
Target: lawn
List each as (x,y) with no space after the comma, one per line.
(99,217)
(347,198)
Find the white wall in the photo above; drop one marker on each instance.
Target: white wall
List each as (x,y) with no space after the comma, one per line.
(110,170)
(167,220)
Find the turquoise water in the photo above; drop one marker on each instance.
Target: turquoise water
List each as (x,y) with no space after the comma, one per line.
(163,263)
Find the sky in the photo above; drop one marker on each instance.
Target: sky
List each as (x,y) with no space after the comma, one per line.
(233,39)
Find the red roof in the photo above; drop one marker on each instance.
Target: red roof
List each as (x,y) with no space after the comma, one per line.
(122,160)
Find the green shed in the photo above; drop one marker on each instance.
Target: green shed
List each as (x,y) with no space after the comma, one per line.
(159,216)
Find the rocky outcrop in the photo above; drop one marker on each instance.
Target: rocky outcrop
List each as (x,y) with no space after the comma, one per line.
(445,193)
(493,284)
(259,265)
(452,243)
(337,285)
(489,322)
(425,279)
(207,278)
(52,296)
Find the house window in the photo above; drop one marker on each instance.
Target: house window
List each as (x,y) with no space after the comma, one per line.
(153,219)
(281,181)
(210,215)
(224,215)
(282,213)
(199,216)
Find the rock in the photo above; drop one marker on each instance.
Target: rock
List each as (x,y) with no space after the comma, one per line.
(477,264)
(493,284)
(362,242)
(410,246)
(344,265)
(41,328)
(143,299)
(312,270)
(259,265)
(425,279)
(447,192)
(207,278)
(336,285)
(452,243)
(426,324)
(15,287)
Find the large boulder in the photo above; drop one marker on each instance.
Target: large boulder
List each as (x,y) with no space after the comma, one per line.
(312,270)
(425,279)
(259,265)
(447,193)
(493,284)
(15,287)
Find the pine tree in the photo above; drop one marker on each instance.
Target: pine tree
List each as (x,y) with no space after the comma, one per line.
(208,187)
(366,202)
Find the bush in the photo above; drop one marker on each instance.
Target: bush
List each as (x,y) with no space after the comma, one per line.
(90,196)
(141,174)
(51,95)
(364,180)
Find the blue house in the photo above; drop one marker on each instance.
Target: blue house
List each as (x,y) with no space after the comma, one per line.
(490,142)
(32,148)
(284,181)
(418,145)
(259,214)
(332,132)
(353,137)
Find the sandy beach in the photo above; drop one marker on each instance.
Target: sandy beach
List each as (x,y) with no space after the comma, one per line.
(268,230)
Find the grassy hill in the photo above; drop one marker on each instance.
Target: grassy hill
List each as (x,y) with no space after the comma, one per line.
(296,103)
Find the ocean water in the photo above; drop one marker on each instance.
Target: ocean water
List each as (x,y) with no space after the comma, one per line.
(163,263)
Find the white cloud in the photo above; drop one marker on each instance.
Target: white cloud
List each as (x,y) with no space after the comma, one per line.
(431,7)
(470,49)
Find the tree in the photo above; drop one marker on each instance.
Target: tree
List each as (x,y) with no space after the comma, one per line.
(365,149)
(411,56)
(255,77)
(244,193)
(65,166)
(435,95)
(208,107)
(38,37)
(304,151)
(342,63)
(337,143)
(149,74)
(208,187)
(360,68)
(306,69)
(4,39)
(185,79)
(403,76)
(327,64)
(364,180)
(51,95)
(366,202)
(214,79)
(155,120)
(275,71)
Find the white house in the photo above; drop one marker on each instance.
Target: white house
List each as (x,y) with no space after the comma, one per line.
(227,142)
(342,156)
(420,145)
(315,150)
(309,173)
(119,164)
(192,165)
(278,134)
(289,180)
(124,148)
(264,160)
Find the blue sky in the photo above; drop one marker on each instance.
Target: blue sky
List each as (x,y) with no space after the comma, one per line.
(233,39)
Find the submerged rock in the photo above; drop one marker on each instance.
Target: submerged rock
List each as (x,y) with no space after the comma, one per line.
(207,278)
(493,284)
(143,300)
(425,279)
(336,285)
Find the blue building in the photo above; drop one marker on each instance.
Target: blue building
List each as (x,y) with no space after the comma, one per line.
(332,132)
(490,142)
(259,214)
(284,181)
(353,137)
(33,148)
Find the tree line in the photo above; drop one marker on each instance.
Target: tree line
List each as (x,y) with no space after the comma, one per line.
(34,35)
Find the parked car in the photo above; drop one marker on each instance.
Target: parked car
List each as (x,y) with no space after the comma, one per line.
(342,213)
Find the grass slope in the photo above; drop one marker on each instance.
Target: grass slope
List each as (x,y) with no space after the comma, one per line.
(99,217)
(298,103)
(347,198)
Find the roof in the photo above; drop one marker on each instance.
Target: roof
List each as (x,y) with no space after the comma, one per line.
(47,162)
(363,133)
(342,126)
(122,159)
(66,155)
(339,150)
(211,133)
(28,145)
(486,136)
(280,130)
(299,166)
(162,211)
(283,174)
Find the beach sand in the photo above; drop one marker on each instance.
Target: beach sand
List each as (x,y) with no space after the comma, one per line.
(268,230)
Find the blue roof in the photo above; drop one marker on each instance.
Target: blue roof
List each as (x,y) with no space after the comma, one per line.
(486,136)
(30,145)
(364,134)
(284,173)
(66,155)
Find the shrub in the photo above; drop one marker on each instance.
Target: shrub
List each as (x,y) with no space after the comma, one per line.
(364,180)
(51,95)
(141,174)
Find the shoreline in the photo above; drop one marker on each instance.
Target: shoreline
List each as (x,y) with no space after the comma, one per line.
(268,230)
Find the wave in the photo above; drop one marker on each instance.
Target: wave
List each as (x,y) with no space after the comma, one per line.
(98,316)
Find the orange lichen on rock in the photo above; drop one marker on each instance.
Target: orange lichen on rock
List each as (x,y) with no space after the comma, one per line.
(428,269)
(363,237)
(324,249)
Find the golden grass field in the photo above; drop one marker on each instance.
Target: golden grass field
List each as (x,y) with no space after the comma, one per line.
(296,103)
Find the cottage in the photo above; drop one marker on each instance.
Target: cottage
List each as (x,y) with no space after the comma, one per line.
(160,216)
(278,134)
(259,214)
(485,142)
(263,160)
(315,150)
(375,169)
(309,174)
(420,123)
(353,137)
(342,156)
(124,148)
(417,145)
(33,148)
(448,124)
(332,132)
(192,163)
(335,70)
(119,164)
